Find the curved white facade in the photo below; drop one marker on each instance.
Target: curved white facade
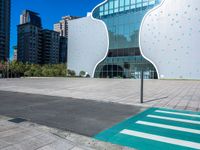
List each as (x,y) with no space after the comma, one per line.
(87,44)
(169,37)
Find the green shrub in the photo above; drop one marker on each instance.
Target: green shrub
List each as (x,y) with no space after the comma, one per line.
(82,73)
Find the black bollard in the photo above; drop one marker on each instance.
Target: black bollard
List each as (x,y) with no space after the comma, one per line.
(142,86)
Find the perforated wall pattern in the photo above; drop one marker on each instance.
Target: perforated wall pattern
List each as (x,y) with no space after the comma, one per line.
(170,38)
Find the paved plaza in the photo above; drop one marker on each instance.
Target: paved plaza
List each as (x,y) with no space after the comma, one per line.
(176,94)
(67,113)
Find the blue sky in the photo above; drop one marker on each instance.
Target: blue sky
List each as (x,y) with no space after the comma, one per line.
(50,11)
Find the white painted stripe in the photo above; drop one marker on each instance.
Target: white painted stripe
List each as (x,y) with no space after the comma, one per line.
(161,139)
(174,119)
(177,113)
(169,127)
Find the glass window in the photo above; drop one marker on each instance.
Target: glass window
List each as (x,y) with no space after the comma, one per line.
(121,9)
(133,1)
(111,5)
(121,3)
(127,7)
(116,10)
(106,7)
(116,4)
(139,5)
(101,8)
(133,6)
(127,2)
(145,3)
(152,2)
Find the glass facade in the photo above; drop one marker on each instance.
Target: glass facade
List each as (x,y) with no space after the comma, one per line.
(123,19)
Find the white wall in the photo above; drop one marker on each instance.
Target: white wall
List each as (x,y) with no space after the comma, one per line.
(170,38)
(87,44)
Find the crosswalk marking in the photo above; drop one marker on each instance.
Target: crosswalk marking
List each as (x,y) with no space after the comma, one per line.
(177,113)
(157,128)
(169,127)
(174,119)
(161,139)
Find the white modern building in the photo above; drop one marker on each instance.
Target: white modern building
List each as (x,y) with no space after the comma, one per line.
(123,37)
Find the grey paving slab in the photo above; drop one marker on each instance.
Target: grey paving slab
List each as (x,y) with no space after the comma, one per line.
(49,139)
(4,144)
(58,145)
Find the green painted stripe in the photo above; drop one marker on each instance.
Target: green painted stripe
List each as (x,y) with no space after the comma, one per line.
(175,116)
(181,111)
(144,144)
(165,132)
(173,123)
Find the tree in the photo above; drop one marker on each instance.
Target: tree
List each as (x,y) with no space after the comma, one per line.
(82,73)
(71,73)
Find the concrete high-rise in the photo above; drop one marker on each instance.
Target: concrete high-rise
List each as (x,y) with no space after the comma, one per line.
(62,25)
(29,43)
(29,38)
(4,29)
(50,47)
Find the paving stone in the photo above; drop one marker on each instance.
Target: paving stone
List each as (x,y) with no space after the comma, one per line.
(35,142)
(58,145)
(4,144)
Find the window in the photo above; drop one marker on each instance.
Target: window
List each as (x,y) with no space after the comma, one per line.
(133,2)
(152,2)
(116,4)
(111,5)
(121,3)
(127,2)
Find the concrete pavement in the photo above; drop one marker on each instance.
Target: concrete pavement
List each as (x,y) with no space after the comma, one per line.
(176,94)
(31,136)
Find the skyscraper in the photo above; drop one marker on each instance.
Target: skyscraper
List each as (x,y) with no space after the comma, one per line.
(4,29)
(29,38)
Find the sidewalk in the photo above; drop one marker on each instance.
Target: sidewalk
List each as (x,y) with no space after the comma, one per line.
(31,136)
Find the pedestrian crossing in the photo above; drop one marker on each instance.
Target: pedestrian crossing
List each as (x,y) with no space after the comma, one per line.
(157,128)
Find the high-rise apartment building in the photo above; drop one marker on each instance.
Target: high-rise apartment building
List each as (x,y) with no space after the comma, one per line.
(62,25)
(29,38)
(50,47)
(4,29)
(29,43)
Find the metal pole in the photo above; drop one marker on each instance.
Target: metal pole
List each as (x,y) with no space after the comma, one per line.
(142,86)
